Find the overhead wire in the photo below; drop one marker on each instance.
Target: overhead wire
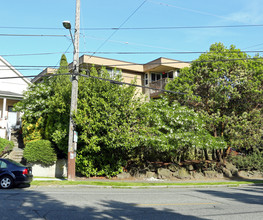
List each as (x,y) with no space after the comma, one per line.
(144,28)
(128,18)
(190,10)
(100,78)
(156,63)
(176,27)
(32,35)
(131,52)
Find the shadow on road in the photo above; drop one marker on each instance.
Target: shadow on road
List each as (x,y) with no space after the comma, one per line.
(249,195)
(31,204)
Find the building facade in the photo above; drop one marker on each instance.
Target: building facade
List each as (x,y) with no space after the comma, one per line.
(154,74)
(12,86)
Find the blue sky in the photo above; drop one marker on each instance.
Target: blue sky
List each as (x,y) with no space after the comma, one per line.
(30,17)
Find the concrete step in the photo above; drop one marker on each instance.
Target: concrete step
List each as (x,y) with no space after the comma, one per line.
(16,154)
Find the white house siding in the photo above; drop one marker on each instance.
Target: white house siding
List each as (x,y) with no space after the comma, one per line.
(16,85)
(11,91)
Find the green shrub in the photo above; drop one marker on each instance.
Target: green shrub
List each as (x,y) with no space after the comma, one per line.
(249,162)
(41,152)
(5,146)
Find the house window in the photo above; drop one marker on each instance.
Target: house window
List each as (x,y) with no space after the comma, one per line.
(177,73)
(113,72)
(163,75)
(155,76)
(10,108)
(170,75)
(146,79)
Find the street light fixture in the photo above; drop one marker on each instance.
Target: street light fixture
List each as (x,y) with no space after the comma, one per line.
(67,24)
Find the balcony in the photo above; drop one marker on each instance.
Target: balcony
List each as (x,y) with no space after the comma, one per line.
(159,84)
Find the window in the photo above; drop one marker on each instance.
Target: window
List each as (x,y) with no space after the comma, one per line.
(3,165)
(163,75)
(170,75)
(10,108)
(155,76)
(177,72)
(113,72)
(146,79)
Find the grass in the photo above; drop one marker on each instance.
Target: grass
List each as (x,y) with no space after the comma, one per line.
(140,184)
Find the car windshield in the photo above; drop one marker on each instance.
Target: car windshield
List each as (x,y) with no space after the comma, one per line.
(16,163)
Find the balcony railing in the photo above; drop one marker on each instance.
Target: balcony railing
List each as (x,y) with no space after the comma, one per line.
(159,84)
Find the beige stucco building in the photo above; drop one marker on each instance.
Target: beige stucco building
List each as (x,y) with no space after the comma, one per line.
(154,74)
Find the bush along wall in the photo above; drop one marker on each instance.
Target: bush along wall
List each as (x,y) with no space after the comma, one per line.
(5,146)
(40,152)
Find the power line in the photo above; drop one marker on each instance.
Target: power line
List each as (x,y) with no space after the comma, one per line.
(31,28)
(24,66)
(170,52)
(190,10)
(128,18)
(135,85)
(31,35)
(32,54)
(133,52)
(100,78)
(156,63)
(145,28)
(176,27)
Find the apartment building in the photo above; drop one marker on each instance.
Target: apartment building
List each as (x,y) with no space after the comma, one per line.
(154,74)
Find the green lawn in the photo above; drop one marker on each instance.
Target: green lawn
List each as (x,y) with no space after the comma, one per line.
(140,184)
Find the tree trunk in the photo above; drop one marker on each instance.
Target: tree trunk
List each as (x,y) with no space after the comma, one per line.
(219,156)
(213,154)
(206,154)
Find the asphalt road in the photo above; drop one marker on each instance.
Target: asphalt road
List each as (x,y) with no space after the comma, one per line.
(155,203)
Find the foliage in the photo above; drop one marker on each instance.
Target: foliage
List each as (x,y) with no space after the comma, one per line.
(32,131)
(5,146)
(57,121)
(226,88)
(106,122)
(40,151)
(46,108)
(253,161)
(174,131)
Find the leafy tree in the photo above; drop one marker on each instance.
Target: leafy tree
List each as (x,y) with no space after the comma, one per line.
(106,122)
(45,108)
(57,121)
(225,87)
(173,132)
(35,108)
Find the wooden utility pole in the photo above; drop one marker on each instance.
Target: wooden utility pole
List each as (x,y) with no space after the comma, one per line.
(72,141)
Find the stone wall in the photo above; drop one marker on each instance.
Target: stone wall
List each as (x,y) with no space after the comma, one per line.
(193,170)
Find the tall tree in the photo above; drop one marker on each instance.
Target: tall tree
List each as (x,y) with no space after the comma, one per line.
(106,121)
(46,108)
(225,86)
(57,121)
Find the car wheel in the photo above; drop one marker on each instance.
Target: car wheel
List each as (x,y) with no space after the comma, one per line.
(6,182)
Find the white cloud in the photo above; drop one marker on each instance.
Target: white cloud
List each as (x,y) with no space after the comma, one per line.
(251,13)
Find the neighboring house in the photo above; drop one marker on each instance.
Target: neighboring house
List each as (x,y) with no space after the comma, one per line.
(11,91)
(154,74)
